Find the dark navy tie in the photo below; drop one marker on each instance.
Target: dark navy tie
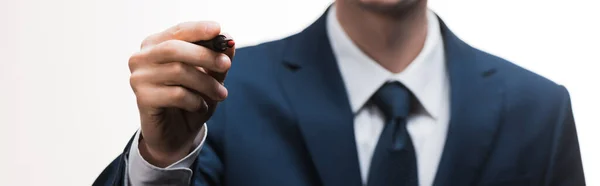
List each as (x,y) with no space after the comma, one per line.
(394,161)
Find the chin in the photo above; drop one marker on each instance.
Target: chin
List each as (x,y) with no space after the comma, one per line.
(383,2)
(390,7)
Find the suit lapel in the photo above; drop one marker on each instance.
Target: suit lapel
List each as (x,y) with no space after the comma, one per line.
(314,86)
(476,107)
(315,89)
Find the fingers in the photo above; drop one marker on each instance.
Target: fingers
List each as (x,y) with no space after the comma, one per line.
(219,75)
(171,71)
(187,31)
(179,74)
(224,63)
(181,51)
(169,97)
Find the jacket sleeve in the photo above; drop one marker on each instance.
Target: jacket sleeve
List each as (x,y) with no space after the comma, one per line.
(565,167)
(114,173)
(207,167)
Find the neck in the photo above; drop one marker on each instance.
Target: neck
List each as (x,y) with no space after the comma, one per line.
(393,41)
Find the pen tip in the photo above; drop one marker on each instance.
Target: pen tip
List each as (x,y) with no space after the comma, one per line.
(230,43)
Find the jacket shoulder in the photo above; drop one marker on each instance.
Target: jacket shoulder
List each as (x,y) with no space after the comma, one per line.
(525,88)
(259,55)
(257,64)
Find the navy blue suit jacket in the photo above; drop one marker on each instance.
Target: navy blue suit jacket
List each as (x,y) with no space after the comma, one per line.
(287,121)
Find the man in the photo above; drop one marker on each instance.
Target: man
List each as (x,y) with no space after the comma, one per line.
(375,92)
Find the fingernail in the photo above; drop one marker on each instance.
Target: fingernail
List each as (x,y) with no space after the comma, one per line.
(212,25)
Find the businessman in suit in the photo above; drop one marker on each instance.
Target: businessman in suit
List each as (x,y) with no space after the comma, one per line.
(375,92)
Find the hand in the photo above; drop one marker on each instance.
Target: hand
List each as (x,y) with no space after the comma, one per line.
(177,85)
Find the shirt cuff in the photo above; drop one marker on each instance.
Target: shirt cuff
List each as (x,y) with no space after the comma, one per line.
(140,172)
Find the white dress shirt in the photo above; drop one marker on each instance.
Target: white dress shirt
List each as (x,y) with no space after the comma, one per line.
(425,77)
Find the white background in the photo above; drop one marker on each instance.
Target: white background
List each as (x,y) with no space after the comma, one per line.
(66,108)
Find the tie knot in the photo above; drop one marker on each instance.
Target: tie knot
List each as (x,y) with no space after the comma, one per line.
(393,99)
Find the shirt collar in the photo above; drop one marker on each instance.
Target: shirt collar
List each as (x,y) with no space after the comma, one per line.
(425,77)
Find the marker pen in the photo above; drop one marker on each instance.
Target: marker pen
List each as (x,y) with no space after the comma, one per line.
(217,44)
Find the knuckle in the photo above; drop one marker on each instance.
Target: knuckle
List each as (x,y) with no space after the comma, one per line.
(199,104)
(177,68)
(203,55)
(148,40)
(178,31)
(133,86)
(178,94)
(134,60)
(135,78)
(167,48)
